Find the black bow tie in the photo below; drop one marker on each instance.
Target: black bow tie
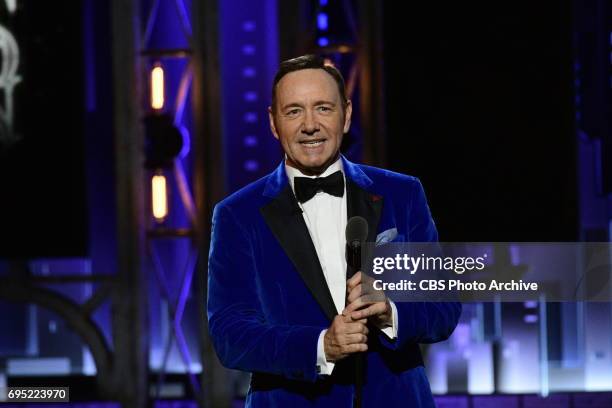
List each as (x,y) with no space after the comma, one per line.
(306,187)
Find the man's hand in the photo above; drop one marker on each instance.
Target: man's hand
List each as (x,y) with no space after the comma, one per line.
(345,336)
(365,302)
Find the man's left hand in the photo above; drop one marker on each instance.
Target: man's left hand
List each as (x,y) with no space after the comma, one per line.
(364,301)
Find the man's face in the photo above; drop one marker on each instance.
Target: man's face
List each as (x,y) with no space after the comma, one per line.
(309,120)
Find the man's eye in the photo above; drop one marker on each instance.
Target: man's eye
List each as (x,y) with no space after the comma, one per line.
(293,112)
(324,109)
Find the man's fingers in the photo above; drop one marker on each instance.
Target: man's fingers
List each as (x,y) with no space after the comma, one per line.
(349,319)
(354,305)
(360,278)
(354,280)
(356,338)
(357,327)
(364,289)
(356,348)
(372,310)
(355,293)
(349,324)
(367,294)
(345,336)
(374,296)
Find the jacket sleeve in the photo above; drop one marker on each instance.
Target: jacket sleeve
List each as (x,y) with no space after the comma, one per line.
(241,336)
(422,322)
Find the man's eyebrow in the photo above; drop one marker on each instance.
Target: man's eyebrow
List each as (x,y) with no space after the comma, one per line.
(324,102)
(317,103)
(291,105)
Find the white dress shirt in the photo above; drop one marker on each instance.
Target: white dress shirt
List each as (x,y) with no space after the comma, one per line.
(325,216)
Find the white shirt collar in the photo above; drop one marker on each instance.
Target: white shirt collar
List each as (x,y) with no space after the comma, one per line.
(292,172)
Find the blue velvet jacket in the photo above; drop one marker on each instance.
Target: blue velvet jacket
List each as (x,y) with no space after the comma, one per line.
(268,300)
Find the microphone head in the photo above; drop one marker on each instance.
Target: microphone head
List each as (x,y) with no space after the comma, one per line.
(356,231)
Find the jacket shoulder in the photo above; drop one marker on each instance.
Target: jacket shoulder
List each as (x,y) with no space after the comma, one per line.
(389,178)
(248,197)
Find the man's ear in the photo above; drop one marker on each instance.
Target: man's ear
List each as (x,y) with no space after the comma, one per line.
(347,116)
(272,124)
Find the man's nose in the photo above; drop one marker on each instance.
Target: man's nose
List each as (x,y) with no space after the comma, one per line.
(310,124)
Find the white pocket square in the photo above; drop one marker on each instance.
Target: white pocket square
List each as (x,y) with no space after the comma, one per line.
(386,236)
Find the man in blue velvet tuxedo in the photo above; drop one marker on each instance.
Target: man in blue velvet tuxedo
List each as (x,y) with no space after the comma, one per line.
(279,303)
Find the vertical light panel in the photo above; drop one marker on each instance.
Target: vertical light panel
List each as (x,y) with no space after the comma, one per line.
(159,197)
(249,59)
(157,87)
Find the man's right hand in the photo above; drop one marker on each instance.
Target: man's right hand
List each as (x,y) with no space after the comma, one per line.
(345,336)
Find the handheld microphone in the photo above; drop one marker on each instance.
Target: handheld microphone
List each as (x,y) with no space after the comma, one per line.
(356,234)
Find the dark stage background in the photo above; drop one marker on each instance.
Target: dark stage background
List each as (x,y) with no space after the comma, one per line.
(480,107)
(42,175)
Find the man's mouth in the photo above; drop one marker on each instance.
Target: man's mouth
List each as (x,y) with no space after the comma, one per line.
(312,143)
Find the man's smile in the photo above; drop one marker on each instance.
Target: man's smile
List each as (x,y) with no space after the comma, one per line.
(312,143)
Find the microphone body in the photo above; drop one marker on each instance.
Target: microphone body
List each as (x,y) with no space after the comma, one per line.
(353,258)
(356,235)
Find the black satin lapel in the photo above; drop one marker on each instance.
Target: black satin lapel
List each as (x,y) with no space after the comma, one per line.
(362,203)
(284,217)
